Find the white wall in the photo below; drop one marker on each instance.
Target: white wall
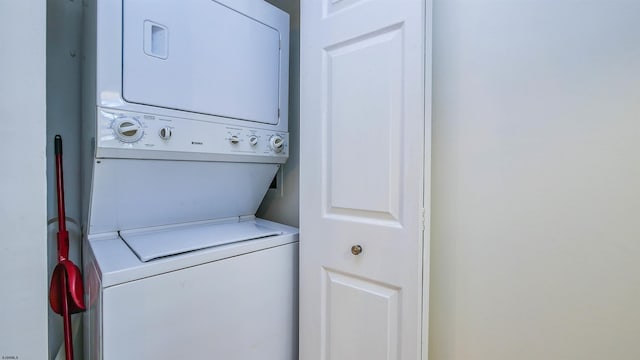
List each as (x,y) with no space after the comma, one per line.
(23,243)
(282,205)
(536,180)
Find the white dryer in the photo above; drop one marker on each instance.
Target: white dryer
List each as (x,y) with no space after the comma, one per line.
(185,126)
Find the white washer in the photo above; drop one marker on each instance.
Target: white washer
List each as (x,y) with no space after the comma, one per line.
(235,301)
(185,108)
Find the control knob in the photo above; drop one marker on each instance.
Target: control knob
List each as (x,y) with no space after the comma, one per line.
(277,143)
(253,140)
(128,129)
(165,133)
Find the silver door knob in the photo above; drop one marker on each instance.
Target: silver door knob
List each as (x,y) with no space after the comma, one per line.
(356,249)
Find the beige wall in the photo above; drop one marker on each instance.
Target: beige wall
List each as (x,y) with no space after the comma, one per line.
(23,198)
(536,180)
(64,36)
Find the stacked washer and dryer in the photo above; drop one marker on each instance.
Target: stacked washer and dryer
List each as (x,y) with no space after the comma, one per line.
(185,128)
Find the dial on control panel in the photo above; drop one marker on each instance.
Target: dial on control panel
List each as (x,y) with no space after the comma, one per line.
(128,129)
(277,143)
(165,133)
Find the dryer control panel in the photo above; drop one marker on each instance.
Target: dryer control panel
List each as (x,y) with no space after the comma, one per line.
(123,134)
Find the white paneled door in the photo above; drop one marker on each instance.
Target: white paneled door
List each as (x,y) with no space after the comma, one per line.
(362,190)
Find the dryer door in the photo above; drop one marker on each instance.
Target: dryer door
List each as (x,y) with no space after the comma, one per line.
(200,56)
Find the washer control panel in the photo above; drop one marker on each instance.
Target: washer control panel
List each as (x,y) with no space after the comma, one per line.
(120,130)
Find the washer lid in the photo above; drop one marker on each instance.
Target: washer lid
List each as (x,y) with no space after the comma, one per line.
(154,244)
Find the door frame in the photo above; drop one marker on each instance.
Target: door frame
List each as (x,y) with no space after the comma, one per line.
(426,234)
